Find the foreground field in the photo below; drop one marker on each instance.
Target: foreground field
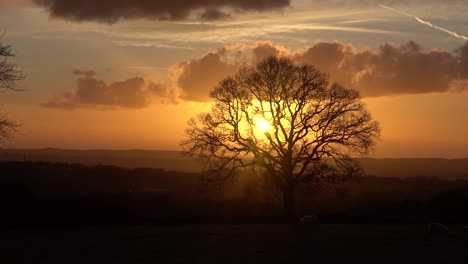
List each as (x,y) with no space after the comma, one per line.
(235,244)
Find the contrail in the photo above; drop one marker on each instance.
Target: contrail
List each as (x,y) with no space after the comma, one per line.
(427,23)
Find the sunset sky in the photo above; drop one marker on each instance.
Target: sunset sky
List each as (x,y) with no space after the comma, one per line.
(128,74)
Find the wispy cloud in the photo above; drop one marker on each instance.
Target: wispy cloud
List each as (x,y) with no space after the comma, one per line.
(325,27)
(149,44)
(359,21)
(427,23)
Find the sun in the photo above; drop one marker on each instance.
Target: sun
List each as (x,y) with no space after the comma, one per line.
(263,125)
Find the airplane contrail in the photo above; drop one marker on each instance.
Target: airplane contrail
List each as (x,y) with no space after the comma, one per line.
(427,23)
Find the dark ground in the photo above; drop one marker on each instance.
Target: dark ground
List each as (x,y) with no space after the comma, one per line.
(235,244)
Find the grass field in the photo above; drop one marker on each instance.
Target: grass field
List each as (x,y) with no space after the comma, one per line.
(236,244)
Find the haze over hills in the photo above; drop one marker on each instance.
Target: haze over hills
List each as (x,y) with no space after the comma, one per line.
(168,160)
(175,161)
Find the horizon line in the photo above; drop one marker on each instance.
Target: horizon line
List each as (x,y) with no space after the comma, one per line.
(173,150)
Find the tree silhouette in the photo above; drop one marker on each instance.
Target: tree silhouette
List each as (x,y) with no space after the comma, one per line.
(282,118)
(9,75)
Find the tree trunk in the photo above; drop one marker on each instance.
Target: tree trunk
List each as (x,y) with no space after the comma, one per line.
(288,201)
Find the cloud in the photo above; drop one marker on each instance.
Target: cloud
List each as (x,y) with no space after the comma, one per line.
(112,11)
(389,70)
(464,61)
(386,71)
(197,77)
(264,49)
(214,14)
(91,92)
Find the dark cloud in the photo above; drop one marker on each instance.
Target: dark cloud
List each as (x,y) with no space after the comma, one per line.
(263,50)
(108,11)
(389,70)
(214,14)
(197,77)
(91,92)
(464,61)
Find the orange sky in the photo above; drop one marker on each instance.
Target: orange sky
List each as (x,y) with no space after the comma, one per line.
(99,81)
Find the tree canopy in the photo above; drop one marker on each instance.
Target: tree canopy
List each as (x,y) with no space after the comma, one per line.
(9,75)
(283,118)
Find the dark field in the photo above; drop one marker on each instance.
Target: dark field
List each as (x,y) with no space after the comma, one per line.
(236,244)
(70,213)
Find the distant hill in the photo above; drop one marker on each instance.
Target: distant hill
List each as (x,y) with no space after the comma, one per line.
(169,160)
(174,161)
(414,167)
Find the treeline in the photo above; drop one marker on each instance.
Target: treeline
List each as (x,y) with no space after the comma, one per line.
(58,194)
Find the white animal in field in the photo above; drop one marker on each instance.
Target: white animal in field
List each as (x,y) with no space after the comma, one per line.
(309,219)
(438,229)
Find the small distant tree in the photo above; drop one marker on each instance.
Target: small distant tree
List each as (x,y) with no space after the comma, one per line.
(284,119)
(9,75)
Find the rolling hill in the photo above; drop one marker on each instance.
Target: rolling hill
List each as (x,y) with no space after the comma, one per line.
(175,161)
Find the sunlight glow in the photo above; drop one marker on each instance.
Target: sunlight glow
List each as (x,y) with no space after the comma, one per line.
(263,125)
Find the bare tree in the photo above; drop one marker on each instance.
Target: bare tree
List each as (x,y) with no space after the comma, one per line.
(7,127)
(9,75)
(282,118)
